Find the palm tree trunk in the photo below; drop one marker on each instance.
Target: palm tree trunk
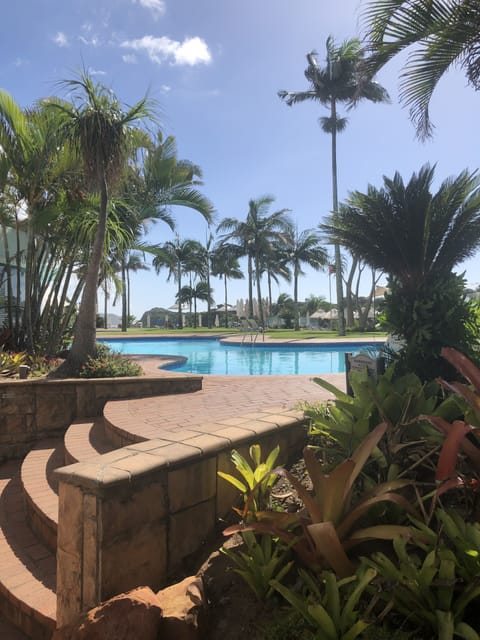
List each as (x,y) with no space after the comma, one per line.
(124,296)
(179,280)
(259,292)
(349,294)
(129,315)
(226,307)
(338,255)
(83,344)
(250,287)
(295,298)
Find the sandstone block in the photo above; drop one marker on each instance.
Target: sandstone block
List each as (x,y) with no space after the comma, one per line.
(129,616)
(184,608)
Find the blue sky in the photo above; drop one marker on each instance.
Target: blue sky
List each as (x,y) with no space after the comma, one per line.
(215,67)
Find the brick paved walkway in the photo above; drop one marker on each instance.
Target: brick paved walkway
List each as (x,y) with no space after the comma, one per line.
(222,398)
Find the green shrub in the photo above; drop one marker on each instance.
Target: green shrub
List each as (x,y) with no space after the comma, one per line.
(108,364)
(430,316)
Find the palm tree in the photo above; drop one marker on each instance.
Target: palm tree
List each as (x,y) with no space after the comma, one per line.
(176,255)
(417,238)
(303,248)
(201,291)
(445,33)
(225,265)
(253,238)
(336,83)
(98,128)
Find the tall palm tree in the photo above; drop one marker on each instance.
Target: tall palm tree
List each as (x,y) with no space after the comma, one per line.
(303,248)
(338,82)
(253,237)
(176,255)
(97,126)
(225,265)
(446,34)
(417,238)
(200,291)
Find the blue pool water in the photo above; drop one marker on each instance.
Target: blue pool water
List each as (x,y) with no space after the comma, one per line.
(209,356)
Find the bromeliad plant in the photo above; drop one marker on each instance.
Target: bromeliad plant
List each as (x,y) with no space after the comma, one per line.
(330,606)
(395,400)
(10,363)
(257,480)
(426,590)
(460,435)
(264,560)
(329,524)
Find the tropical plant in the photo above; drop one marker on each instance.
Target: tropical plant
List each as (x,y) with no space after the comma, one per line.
(225,265)
(108,364)
(253,238)
(401,402)
(302,248)
(34,165)
(257,480)
(177,256)
(200,291)
(461,435)
(329,525)
(417,238)
(338,82)
(10,363)
(331,607)
(263,560)
(445,34)
(97,127)
(425,591)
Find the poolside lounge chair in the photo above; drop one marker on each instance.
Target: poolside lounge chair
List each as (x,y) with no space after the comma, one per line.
(251,328)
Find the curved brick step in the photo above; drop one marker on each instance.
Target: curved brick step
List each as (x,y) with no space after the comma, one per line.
(41,489)
(86,439)
(28,568)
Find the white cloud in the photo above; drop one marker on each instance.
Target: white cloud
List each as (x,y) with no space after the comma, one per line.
(90,39)
(97,72)
(157,7)
(165,88)
(130,58)
(60,39)
(191,51)
(90,42)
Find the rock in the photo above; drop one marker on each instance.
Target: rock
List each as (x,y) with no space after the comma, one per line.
(184,607)
(129,616)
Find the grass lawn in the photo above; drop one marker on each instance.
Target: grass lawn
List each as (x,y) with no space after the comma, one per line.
(287,334)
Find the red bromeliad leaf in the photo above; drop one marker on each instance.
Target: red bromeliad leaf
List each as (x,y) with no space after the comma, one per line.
(365,449)
(465,392)
(378,532)
(363,507)
(451,483)
(447,460)
(317,478)
(336,490)
(329,549)
(463,365)
(468,447)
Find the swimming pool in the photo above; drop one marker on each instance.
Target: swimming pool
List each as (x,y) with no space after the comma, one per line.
(209,356)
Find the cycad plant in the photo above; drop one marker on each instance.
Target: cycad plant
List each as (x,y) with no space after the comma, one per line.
(418,237)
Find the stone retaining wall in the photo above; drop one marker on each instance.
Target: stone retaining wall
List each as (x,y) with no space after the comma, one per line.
(132,516)
(31,410)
